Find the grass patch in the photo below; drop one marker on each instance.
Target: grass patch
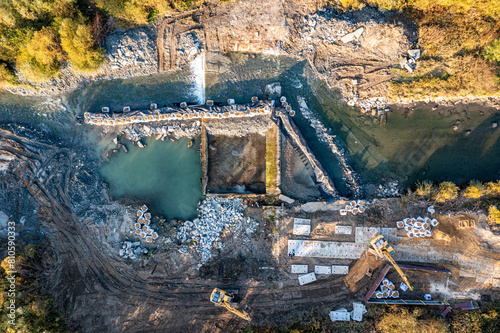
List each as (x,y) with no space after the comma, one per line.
(272,160)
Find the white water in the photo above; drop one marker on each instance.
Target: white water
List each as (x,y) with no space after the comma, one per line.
(197,67)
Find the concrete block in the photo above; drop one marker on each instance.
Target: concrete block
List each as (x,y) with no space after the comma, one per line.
(299,269)
(340,269)
(307,278)
(322,269)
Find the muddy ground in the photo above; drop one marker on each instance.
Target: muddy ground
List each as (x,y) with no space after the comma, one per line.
(237,164)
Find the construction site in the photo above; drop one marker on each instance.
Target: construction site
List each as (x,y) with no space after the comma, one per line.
(257,252)
(232,169)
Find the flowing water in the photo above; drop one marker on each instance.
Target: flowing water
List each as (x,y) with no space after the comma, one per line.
(408,148)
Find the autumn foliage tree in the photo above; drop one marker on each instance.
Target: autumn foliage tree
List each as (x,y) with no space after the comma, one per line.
(77,42)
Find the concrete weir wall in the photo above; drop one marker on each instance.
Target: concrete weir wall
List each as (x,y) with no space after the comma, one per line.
(204,159)
(320,174)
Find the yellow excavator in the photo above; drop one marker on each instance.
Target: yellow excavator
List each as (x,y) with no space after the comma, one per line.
(384,249)
(221,298)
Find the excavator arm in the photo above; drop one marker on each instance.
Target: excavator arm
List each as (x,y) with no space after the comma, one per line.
(241,314)
(388,256)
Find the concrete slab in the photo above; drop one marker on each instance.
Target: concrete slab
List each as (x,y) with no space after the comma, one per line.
(326,249)
(299,269)
(336,269)
(306,278)
(322,269)
(358,311)
(340,315)
(286,199)
(343,230)
(301,227)
(365,234)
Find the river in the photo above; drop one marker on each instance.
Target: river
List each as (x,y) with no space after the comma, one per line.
(411,146)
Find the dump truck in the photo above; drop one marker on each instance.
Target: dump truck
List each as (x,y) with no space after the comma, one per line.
(221,298)
(384,249)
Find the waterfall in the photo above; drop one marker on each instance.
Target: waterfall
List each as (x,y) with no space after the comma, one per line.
(197,67)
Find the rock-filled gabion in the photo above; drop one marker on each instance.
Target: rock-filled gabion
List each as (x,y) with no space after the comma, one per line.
(216,215)
(387,289)
(417,227)
(156,115)
(142,226)
(287,106)
(354,207)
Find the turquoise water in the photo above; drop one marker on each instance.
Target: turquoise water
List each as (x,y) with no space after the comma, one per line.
(165,175)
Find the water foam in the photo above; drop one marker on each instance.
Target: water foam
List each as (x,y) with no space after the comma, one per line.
(197,67)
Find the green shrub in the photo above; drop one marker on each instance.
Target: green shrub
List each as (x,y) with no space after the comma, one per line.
(446,191)
(492,51)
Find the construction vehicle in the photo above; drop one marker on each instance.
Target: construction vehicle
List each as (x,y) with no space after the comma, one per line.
(222,298)
(384,249)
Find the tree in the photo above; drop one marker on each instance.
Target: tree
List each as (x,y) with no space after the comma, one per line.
(475,190)
(38,60)
(78,43)
(446,191)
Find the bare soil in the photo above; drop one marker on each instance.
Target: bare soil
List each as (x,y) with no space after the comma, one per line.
(237,164)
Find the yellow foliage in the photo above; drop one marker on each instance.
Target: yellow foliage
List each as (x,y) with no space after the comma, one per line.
(424,189)
(400,320)
(494,215)
(446,191)
(77,42)
(38,60)
(475,190)
(493,188)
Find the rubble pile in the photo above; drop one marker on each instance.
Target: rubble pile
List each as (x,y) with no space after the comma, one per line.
(134,49)
(217,216)
(378,104)
(132,250)
(391,189)
(188,46)
(417,227)
(324,26)
(161,132)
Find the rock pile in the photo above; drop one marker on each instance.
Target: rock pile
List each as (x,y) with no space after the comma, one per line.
(391,189)
(133,49)
(132,250)
(324,135)
(188,46)
(217,216)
